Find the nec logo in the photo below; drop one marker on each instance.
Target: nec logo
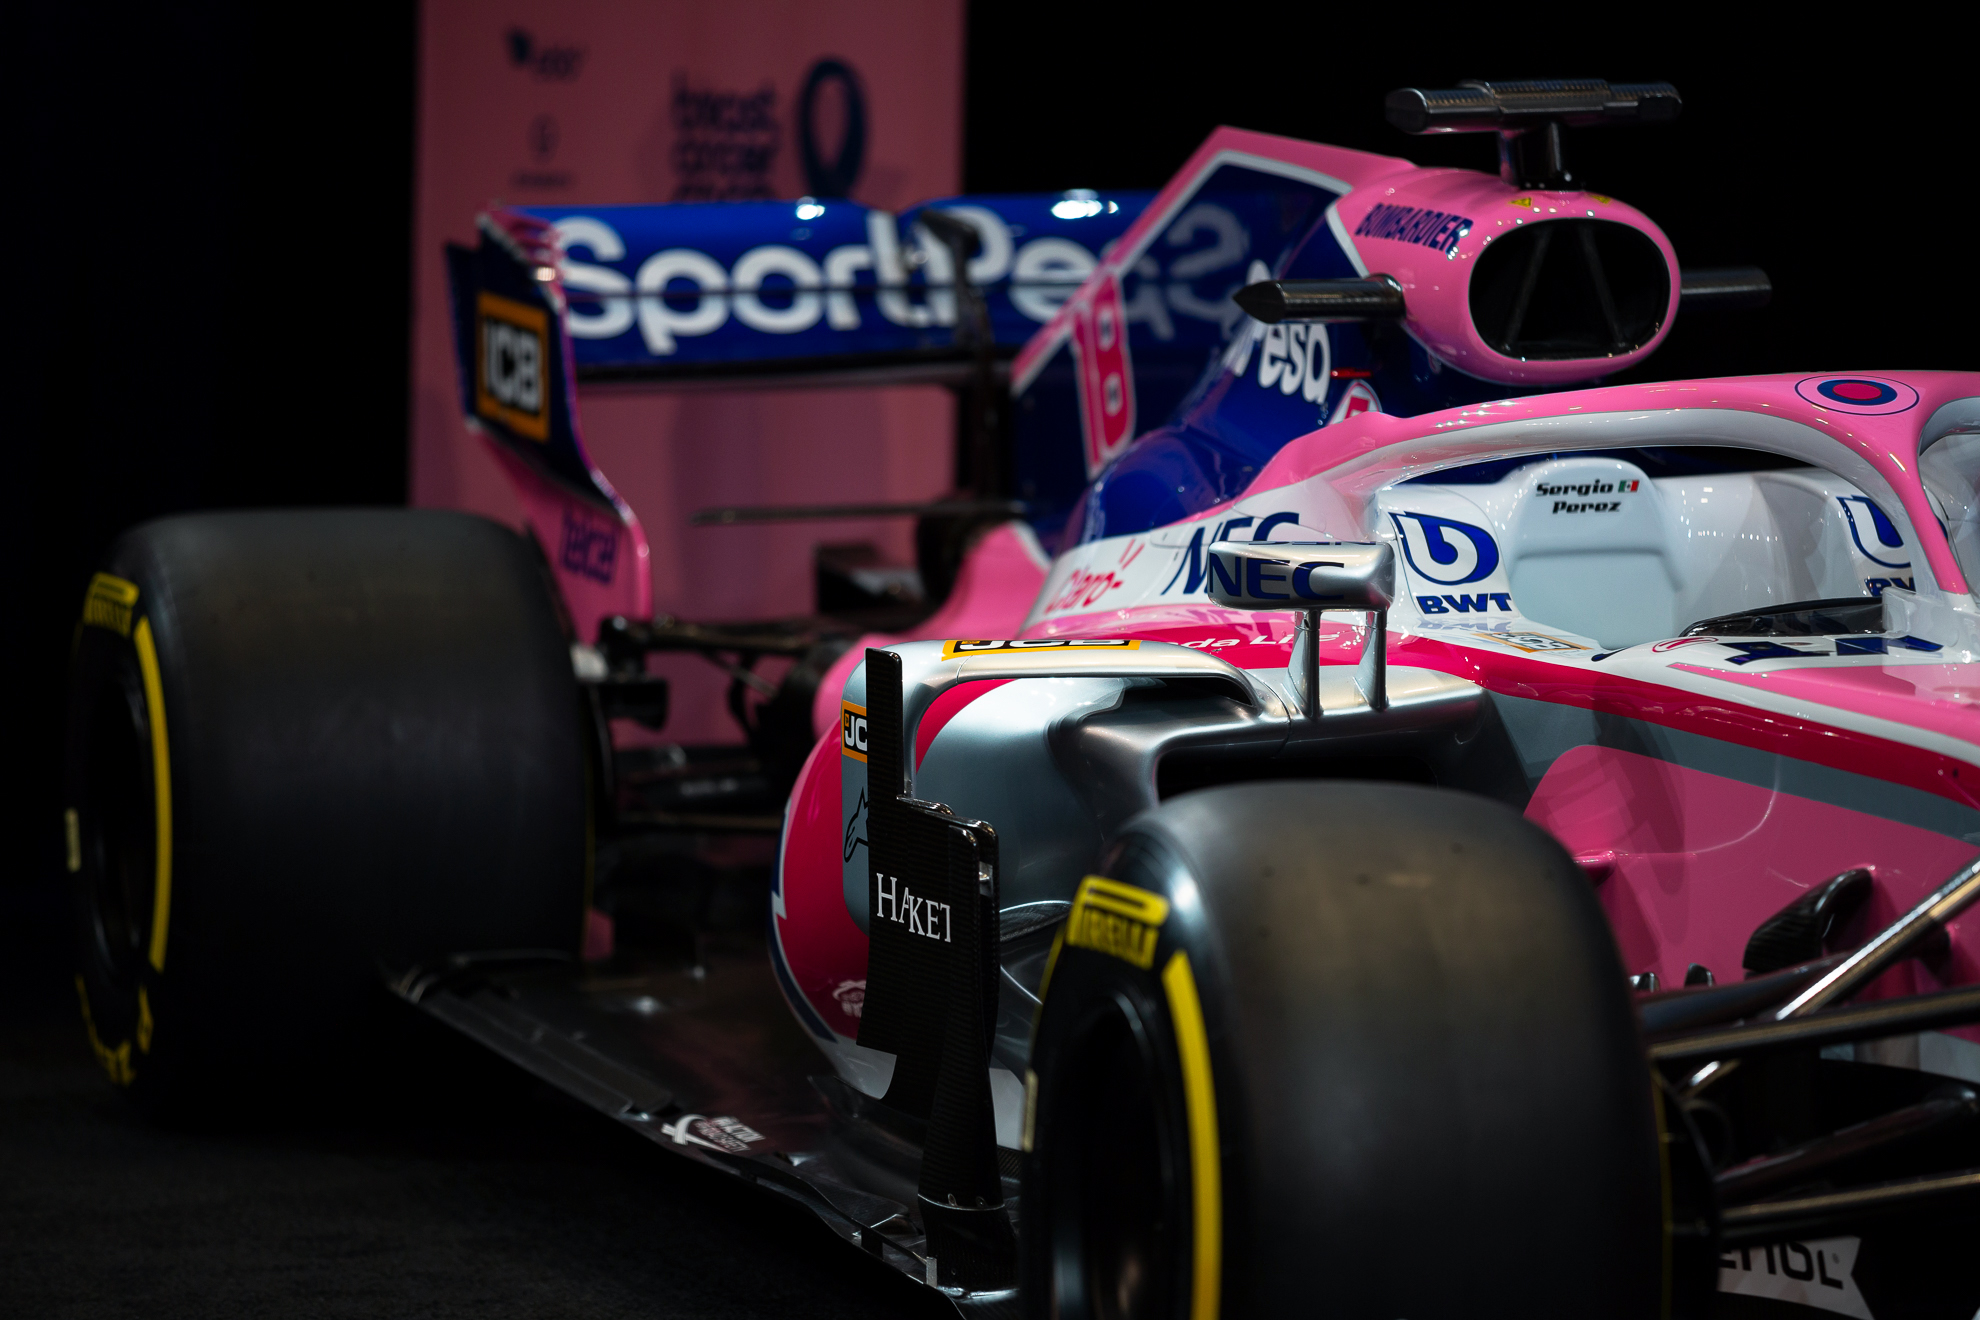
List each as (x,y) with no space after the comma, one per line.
(852,730)
(512,355)
(1191,570)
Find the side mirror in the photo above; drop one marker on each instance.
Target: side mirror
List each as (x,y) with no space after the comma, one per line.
(1377,298)
(1312,577)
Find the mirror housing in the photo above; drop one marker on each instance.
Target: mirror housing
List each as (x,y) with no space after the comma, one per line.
(1377,298)
(1301,575)
(1312,577)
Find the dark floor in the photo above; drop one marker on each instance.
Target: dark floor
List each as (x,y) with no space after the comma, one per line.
(479,1194)
(464,1188)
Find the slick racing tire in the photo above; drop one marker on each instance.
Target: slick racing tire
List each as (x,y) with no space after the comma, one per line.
(306,749)
(1346,1048)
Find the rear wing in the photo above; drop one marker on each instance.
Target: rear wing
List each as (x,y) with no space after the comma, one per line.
(740,293)
(809,290)
(513,350)
(518,388)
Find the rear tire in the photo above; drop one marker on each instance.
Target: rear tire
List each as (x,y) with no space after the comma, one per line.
(1360,1047)
(306,749)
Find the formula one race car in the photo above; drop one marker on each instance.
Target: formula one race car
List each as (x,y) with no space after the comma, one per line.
(1355,823)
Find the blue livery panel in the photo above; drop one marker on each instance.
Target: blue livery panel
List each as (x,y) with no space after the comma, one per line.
(1203,398)
(692,289)
(513,359)
(1257,386)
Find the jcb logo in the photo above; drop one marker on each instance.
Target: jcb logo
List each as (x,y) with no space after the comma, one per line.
(953,650)
(852,730)
(511,359)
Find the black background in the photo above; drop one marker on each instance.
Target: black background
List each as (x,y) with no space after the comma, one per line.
(211,230)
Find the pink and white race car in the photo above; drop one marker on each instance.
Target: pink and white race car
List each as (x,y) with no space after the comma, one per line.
(1365,826)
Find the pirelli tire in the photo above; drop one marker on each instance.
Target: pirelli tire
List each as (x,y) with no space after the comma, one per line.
(305,748)
(1353,1048)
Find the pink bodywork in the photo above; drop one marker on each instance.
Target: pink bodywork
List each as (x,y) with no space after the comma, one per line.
(1695,861)
(1376,449)
(997,584)
(819,945)
(1689,862)
(555,516)
(1435,284)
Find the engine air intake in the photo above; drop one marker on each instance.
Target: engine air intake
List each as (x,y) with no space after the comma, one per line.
(1564,289)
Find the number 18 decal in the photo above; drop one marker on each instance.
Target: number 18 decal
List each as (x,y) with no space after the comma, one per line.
(1106,376)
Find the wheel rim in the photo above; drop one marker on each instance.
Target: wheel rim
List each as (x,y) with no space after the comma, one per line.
(1117,1239)
(118,835)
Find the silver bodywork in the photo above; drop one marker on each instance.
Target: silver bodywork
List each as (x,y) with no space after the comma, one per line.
(1059,760)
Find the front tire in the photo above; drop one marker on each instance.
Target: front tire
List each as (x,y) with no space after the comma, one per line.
(1364,1048)
(303,748)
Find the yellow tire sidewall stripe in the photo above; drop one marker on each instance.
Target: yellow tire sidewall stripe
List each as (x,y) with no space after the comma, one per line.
(115,1062)
(161,779)
(1205,1160)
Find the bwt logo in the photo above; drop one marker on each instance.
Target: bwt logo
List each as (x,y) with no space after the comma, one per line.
(895,902)
(1466,602)
(511,355)
(1864,515)
(1444,550)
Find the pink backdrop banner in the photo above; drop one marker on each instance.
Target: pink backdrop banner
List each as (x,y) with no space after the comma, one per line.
(603,101)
